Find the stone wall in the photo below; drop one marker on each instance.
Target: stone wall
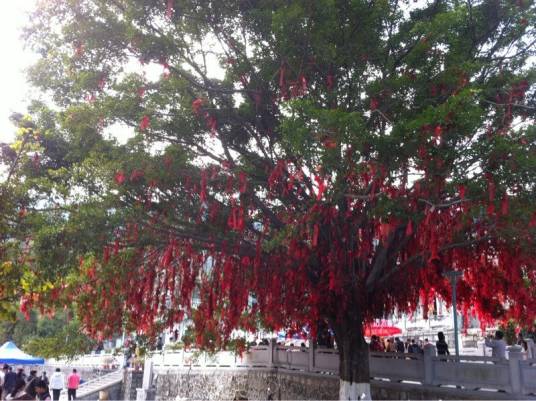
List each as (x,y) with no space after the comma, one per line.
(257,384)
(131,381)
(264,384)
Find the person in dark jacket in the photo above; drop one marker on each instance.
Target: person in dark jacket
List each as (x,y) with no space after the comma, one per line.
(44,377)
(10,380)
(399,345)
(41,388)
(441,345)
(414,348)
(31,382)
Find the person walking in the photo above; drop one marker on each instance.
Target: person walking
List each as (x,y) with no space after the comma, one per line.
(391,347)
(31,383)
(2,377)
(375,344)
(428,348)
(10,381)
(497,345)
(41,388)
(522,342)
(441,344)
(414,348)
(57,381)
(44,377)
(400,348)
(73,381)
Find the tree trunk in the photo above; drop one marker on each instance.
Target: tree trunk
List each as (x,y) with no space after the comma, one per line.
(353,362)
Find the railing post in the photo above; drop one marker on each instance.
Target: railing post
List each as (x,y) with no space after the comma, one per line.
(514,357)
(312,350)
(147,374)
(428,364)
(271,347)
(530,348)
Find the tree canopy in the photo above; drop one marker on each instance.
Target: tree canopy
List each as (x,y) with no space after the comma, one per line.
(295,161)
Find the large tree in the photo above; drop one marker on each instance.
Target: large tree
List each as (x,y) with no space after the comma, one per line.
(299,161)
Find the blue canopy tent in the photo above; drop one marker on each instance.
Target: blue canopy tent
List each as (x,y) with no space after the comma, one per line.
(11,354)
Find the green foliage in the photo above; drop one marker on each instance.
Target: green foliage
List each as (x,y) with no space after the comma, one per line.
(66,341)
(509,330)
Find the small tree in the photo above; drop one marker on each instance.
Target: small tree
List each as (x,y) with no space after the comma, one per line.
(303,161)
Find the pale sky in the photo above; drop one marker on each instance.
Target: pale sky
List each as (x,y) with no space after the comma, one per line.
(13,87)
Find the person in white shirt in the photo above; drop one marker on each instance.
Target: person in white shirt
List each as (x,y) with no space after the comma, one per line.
(497,345)
(57,382)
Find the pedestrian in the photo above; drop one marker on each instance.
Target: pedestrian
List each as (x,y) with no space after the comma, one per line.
(57,381)
(30,383)
(391,347)
(10,381)
(2,378)
(73,381)
(414,348)
(441,344)
(497,345)
(21,374)
(521,341)
(399,346)
(428,345)
(44,377)
(375,344)
(41,388)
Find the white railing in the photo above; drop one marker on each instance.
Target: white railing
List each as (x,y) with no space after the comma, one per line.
(515,376)
(99,361)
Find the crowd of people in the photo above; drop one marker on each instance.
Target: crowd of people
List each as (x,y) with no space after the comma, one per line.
(410,346)
(496,342)
(19,386)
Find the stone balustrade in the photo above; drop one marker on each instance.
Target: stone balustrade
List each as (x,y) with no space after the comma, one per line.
(515,376)
(98,361)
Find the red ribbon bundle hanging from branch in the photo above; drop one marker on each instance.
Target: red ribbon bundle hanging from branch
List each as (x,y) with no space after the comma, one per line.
(196,106)
(409,229)
(212,124)
(243,182)
(314,240)
(532,222)
(321,187)
(170,8)
(203,188)
(438,130)
(119,177)
(136,175)
(145,123)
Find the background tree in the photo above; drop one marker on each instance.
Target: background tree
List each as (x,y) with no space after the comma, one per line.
(300,161)
(50,215)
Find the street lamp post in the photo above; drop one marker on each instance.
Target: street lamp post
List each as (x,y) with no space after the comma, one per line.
(453,276)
